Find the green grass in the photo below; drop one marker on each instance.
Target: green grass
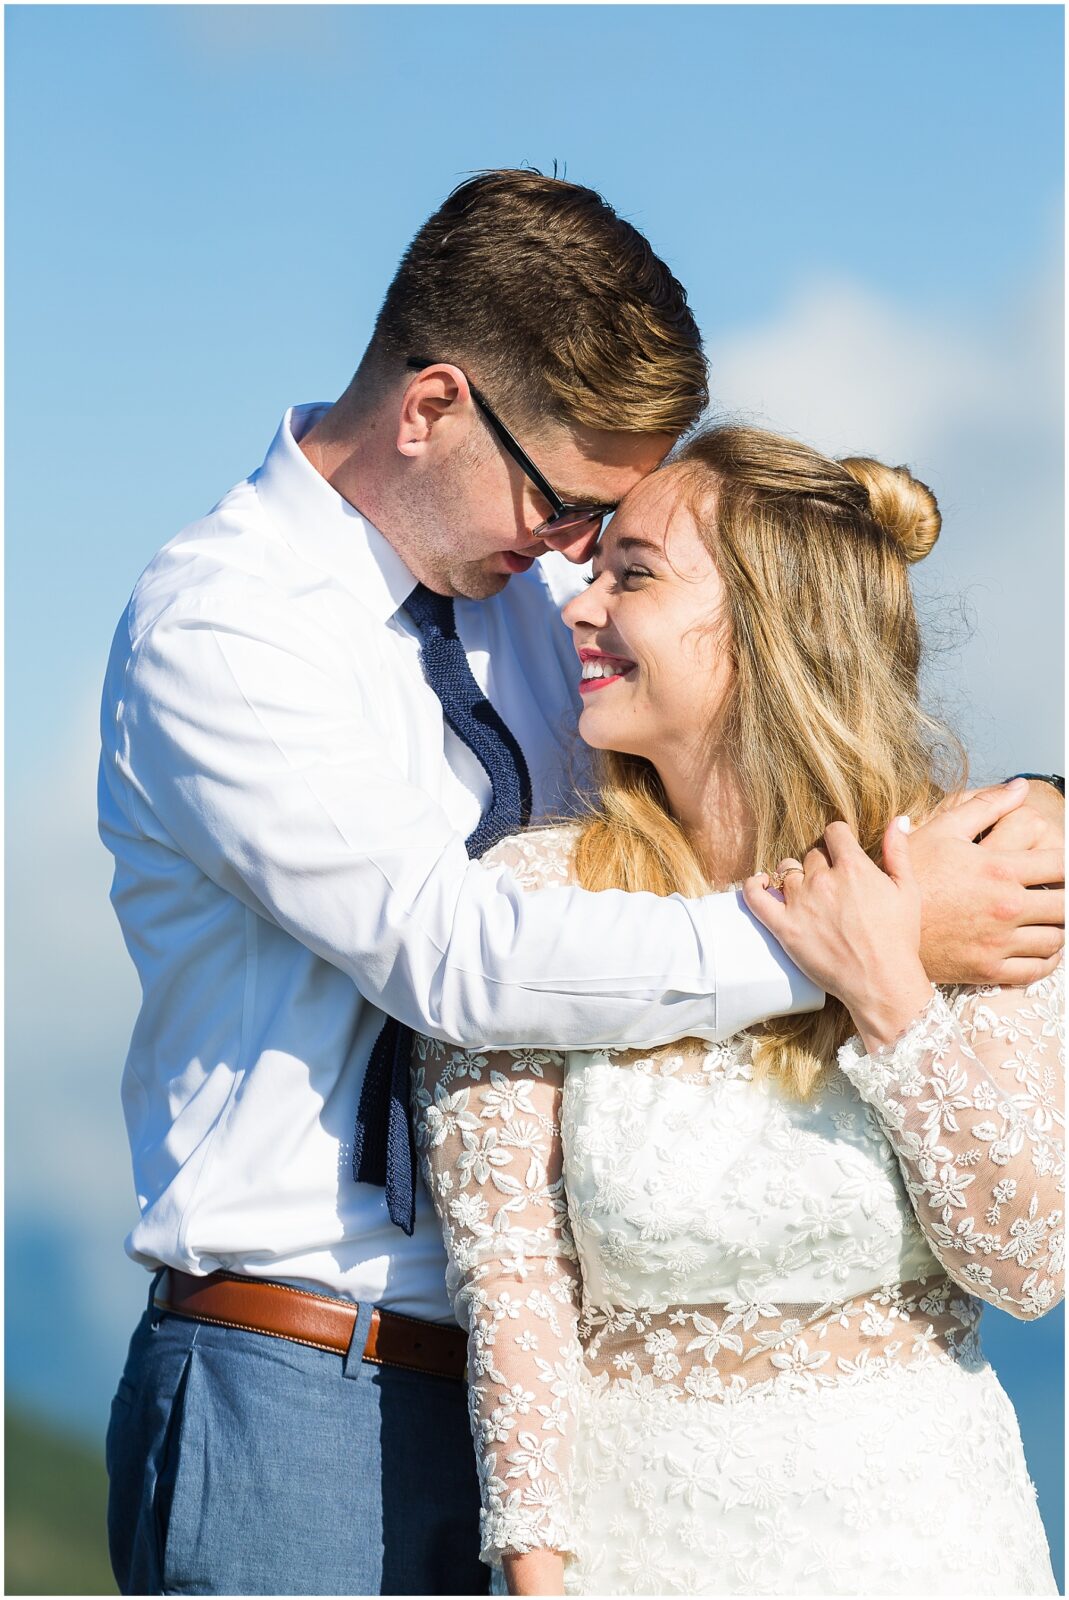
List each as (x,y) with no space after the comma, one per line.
(55,1492)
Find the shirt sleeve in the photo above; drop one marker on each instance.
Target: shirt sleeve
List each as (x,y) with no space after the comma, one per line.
(488,1131)
(971,1098)
(238,737)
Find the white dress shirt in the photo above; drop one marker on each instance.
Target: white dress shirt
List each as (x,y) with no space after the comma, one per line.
(287,811)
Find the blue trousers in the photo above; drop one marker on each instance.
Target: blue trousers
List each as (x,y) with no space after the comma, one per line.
(241,1464)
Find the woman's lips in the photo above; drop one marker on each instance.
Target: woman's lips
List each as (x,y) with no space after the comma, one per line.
(613,668)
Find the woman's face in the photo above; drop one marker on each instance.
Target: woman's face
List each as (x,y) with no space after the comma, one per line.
(650,632)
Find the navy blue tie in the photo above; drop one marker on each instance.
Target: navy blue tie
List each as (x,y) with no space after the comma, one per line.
(384,1150)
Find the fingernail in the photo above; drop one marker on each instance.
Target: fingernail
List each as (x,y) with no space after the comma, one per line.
(905,824)
(1017,783)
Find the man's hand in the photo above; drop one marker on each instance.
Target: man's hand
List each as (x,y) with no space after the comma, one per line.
(984,918)
(1039,824)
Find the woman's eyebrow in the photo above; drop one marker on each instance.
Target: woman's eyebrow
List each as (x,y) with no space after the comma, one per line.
(627,542)
(640,544)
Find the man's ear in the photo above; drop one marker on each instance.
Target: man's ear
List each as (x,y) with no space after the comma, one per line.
(437,399)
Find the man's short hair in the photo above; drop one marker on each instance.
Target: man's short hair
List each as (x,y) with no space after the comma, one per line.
(553,305)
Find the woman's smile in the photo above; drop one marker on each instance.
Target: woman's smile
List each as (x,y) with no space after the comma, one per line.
(600,669)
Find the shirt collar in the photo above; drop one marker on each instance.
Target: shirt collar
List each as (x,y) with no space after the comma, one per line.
(319,524)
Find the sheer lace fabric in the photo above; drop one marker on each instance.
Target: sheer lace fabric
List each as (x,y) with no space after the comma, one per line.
(715,1351)
(489,1134)
(676,1281)
(972,1101)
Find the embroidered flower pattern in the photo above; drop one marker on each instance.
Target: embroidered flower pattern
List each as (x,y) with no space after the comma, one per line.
(980,1148)
(659,1259)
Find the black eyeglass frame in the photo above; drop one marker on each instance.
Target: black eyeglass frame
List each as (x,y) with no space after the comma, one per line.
(565,514)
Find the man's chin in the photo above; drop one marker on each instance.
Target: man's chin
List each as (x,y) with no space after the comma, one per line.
(477,583)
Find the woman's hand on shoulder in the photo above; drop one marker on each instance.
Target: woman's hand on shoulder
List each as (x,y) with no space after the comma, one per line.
(853,928)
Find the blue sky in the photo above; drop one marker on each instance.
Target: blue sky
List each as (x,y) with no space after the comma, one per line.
(204,205)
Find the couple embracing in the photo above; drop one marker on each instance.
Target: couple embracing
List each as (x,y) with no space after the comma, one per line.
(607,959)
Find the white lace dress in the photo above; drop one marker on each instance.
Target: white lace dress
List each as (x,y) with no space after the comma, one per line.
(723,1342)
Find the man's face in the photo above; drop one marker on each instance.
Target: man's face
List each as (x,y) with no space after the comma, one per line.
(487,511)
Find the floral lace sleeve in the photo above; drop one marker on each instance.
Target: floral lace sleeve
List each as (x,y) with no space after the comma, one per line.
(488,1131)
(971,1099)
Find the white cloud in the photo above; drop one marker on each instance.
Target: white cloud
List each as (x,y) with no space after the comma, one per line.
(840,368)
(974,406)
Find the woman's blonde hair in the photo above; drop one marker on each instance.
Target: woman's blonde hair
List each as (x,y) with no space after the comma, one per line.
(823,719)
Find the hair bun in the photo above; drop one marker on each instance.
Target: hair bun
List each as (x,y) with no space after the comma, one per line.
(903,506)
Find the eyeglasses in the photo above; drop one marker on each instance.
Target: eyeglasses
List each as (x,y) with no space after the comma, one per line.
(566,518)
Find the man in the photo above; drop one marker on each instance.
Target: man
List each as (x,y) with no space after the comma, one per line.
(304,740)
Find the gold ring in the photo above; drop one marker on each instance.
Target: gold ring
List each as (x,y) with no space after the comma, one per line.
(776,878)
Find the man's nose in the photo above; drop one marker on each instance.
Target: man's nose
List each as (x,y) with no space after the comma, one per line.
(578,547)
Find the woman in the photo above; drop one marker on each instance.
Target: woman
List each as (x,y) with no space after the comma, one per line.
(723,1301)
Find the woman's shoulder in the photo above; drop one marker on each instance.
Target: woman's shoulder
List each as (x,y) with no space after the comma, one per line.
(962,997)
(538,858)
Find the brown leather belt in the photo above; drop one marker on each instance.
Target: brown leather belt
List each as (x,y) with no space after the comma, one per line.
(285,1312)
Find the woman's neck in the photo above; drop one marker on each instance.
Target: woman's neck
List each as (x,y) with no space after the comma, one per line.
(708,803)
